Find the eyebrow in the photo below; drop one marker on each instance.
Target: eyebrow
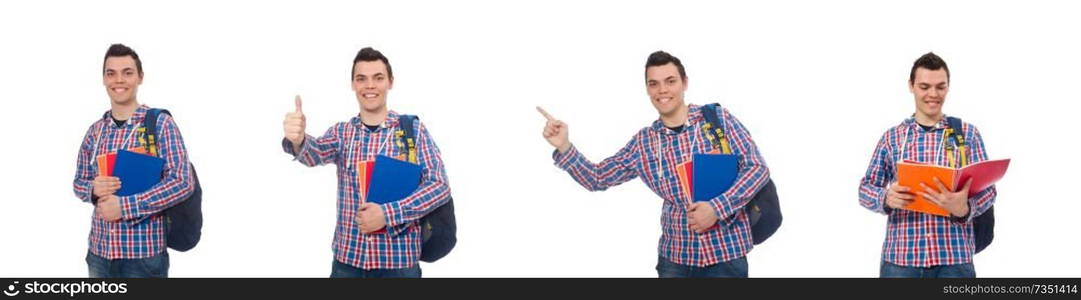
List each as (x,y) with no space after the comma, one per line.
(373,75)
(121,70)
(665,79)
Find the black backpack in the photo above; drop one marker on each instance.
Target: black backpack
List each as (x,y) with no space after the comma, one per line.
(764,209)
(983,226)
(438,229)
(183,221)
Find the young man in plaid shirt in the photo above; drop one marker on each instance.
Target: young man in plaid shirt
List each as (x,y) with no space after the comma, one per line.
(361,248)
(127,234)
(690,245)
(919,244)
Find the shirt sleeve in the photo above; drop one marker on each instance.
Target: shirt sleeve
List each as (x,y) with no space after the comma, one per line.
(880,173)
(85,167)
(315,152)
(610,172)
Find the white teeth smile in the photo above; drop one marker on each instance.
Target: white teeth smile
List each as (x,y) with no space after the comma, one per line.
(368,95)
(120,90)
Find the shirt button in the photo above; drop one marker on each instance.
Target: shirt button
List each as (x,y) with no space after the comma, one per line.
(371,238)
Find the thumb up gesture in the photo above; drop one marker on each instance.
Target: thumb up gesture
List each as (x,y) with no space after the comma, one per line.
(294,125)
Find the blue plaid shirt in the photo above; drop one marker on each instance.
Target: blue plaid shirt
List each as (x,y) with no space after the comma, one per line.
(347,143)
(140,233)
(915,239)
(653,154)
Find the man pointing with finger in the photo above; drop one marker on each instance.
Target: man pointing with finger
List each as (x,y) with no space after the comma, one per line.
(703,239)
(371,240)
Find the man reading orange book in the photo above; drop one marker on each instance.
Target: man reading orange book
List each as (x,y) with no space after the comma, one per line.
(918,244)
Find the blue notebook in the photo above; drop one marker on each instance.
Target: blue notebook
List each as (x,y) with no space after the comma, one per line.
(713,174)
(137,172)
(392,180)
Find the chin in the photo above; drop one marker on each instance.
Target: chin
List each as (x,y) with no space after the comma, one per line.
(668,108)
(371,106)
(931,112)
(121,100)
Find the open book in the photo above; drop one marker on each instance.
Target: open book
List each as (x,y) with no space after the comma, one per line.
(983,175)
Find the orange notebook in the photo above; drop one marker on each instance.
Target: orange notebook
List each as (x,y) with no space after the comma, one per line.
(983,175)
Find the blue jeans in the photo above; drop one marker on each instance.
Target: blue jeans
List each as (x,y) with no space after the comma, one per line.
(340,270)
(733,268)
(889,270)
(156,266)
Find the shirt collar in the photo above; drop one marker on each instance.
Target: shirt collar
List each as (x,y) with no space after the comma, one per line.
(694,116)
(390,122)
(136,117)
(911,122)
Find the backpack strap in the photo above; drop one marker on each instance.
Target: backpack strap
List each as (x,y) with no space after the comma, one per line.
(714,129)
(955,132)
(150,123)
(407,137)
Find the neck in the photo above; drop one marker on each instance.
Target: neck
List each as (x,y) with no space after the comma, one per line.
(373,117)
(676,118)
(123,111)
(927,120)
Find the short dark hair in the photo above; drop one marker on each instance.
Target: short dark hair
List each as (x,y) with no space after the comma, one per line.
(119,50)
(931,62)
(369,54)
(661,58)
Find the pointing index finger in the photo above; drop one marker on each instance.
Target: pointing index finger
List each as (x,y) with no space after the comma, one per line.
(545,113)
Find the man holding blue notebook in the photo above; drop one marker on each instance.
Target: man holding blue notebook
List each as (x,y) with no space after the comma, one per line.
(381,194)
(127,233)
(709,237)
(919,244)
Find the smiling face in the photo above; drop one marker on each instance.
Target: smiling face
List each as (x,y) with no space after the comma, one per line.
(929,87)
(665,87)
(371,82)
(121,79)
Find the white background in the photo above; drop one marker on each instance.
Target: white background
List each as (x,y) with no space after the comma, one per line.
(816,83)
